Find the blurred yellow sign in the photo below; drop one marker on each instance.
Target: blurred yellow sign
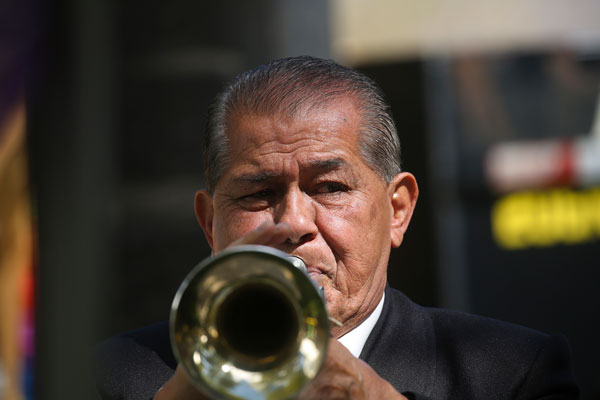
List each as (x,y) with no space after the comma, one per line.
(546,218)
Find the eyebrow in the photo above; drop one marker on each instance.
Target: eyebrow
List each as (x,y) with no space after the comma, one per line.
(327,164)
(254,178)
(319,165)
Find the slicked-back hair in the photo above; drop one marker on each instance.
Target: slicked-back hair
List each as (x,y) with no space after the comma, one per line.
(296,85)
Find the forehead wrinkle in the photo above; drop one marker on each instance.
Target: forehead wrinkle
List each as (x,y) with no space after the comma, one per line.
(288,144)
(254,178)
(262,176)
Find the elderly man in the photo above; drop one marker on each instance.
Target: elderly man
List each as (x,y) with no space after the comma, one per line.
(302,155)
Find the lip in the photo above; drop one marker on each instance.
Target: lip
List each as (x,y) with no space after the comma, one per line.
(313,268)
(316,276)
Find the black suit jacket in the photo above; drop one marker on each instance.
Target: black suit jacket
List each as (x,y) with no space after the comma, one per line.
(424,353)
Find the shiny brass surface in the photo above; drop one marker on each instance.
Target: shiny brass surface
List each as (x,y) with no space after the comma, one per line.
(249,323)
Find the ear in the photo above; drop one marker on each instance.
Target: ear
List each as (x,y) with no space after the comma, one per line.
(403,193)
(205,211)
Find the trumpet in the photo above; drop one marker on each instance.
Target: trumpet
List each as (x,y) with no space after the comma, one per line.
(249,323)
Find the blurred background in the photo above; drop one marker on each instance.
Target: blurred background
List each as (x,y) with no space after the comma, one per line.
(102,107)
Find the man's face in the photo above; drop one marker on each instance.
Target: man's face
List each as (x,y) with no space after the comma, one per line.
(308,173)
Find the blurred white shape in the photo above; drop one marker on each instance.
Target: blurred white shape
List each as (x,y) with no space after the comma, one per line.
(311,356)
(516,165)
(532,164)
(587,161)
(197,357)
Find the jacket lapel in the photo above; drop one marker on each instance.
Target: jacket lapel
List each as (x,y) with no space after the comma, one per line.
(401,347)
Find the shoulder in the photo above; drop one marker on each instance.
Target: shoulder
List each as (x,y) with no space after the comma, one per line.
(500,354)
(134,365)
(469,332)
(474,332)
(479,355)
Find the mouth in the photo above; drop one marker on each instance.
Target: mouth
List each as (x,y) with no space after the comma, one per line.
(316,275)
(315,271)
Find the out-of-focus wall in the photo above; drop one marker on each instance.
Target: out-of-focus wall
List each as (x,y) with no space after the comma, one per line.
(379,30)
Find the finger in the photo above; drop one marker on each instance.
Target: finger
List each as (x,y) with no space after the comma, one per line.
(256,236)
(178,387)
(280,234)
(267,234)
(340,378)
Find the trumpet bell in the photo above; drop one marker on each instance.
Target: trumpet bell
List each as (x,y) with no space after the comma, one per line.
(248,324)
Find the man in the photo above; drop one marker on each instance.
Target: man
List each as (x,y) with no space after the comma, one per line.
(302,155)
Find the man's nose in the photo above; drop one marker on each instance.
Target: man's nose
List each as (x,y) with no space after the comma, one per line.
(298,211)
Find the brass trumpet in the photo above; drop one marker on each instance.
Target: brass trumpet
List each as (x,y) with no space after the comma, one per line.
(249,323)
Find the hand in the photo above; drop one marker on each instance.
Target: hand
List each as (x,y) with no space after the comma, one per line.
(179,387)
(267,234)
(345,377)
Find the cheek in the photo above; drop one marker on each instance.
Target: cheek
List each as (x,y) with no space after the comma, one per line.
(345,229)
(358,235)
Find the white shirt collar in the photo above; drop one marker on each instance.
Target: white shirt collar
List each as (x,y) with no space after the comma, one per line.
(355,340)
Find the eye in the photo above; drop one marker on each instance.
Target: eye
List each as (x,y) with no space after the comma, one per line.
(260,195)
(331,188)
(257,200)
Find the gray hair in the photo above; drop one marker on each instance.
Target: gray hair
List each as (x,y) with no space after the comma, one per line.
(295,84)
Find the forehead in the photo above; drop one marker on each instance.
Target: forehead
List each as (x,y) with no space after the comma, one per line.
(332,129)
